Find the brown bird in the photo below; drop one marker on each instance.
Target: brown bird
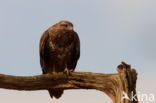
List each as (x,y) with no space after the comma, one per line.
(59,51)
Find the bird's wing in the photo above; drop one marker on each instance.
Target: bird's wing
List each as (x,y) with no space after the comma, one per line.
(43,49)
(77,49)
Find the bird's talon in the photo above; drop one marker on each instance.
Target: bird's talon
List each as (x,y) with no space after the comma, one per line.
(71,70)
(68,72)
(53,73)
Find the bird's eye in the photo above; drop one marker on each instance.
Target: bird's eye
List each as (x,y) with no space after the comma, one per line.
(65,25)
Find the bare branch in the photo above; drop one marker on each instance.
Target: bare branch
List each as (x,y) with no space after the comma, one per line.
(112,84)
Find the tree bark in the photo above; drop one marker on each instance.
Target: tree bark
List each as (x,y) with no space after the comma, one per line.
(114,85)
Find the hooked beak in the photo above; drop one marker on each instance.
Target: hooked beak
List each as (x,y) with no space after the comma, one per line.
(70,28)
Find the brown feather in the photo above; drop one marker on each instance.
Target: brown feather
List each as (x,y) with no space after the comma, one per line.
(59,49)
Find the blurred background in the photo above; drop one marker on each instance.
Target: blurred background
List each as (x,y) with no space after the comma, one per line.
(110,32)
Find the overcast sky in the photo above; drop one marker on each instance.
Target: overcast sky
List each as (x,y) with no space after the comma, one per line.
(110,32)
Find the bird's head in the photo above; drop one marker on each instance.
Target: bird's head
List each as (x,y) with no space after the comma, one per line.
(66,25)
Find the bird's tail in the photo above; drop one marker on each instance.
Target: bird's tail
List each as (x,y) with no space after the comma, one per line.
(57,93)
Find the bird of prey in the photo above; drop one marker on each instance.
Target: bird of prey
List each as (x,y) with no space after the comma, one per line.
(59,51)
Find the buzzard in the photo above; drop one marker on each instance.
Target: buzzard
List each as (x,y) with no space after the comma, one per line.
(59,51)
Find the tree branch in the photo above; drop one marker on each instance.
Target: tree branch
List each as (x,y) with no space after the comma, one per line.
(112,84)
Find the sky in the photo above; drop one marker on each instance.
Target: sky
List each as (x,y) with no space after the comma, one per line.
(110,31)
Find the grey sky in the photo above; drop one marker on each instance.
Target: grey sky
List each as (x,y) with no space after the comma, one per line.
(110,31)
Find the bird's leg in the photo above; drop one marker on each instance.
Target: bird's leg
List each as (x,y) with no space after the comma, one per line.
(68,71)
